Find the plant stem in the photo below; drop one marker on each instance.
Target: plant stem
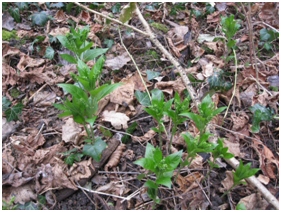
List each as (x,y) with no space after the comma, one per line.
(235,82)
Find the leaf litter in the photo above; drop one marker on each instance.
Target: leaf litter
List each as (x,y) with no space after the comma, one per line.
(33,161)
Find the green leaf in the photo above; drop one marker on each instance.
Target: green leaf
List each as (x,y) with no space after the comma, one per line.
(28,206)
(173,160)
(66,43)
(157,155)
(143,98)
(103,91)
(127,12)
(151,74)
(149,151)
(116,8)
(15,13)
(268,35)
(94,150)
(166,181)
(126,138)
(57,5)
(229,26)
(108,42)
(22,5)
(199,121)
(146,163)
(5,103)
(49,53)
(260,113)
(221,151)
(39,18)
(106,133)
(217,82)
(157,95)
(151,184)
(243,172)
(12,113)
(68,58)
(74,91)
(92,54)
(240,206)
(73,158)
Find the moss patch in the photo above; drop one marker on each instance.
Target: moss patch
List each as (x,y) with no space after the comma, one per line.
(159,26)
(6,35)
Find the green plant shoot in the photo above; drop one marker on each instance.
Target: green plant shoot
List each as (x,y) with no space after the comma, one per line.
(162,167)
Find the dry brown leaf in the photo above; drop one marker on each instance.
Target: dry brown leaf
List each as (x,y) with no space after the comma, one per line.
(270,13)
(233,145)
(84,16)
(81,170)
(117,120)
(248,95)
(8,161)
(70,130)
(115,157)
(129,154)
(239,121)
(214,17)
(44,98)
(59,31)
(146,137)
(60,16)
(254,202)
(268,163)
(263,179)
(187,181)
(118,62)
(124,94)
(16,179)
(227,182)
(9,75)
(50,177)
(23,194)
(26,61)
(171,86)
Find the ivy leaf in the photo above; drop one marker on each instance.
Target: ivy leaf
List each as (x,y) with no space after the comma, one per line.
(151,74)
(22,5)
(39,18)
(5,103)
(116,8)
(217,82)
(73,158)
(12,113)
(95,150)
(15,13)
(143,98)
(49,53)
(261,113)
(127,12)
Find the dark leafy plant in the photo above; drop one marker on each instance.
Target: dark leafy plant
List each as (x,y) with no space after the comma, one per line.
(260,113)
(267,37)
(12,112)
(10,205)
(162,167)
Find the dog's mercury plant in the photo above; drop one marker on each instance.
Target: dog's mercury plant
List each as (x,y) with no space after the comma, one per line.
(85,95)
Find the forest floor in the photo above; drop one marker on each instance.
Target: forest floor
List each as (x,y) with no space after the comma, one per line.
(35,139)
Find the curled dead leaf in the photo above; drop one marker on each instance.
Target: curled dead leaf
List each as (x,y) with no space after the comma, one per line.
(115,157)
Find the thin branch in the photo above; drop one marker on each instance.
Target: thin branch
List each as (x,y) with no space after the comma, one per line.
(111,19)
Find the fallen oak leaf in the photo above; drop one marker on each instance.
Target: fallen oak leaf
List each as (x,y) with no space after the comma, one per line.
(118,120)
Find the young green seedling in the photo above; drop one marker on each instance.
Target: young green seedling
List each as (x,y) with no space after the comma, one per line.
(162,167)
(241,173)
(85,95)
(174,114)
(156,108)
(229,27)
(207,112)
(76,41)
